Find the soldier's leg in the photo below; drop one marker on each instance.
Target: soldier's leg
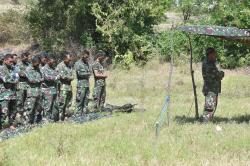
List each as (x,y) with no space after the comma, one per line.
(103,97)
(68,112)
(29,110)
(79,99)
(97,96)
(86,99)
(47,104)
(4,113)
(210,106)
(20,102)
(12,113)
(61,104)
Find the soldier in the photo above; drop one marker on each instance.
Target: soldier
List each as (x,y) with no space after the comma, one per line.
(100,76)
(49,87)
(32,105)
(23,82)
(64,98)
(43,58)
(8,92)
(83,74)
(212,83)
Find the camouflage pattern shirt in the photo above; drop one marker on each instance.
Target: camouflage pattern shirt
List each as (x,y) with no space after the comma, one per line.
(9,81)
(212,77)
(34,77)
(50,76)
(65,73)
(23,82)
(99,68)
(83,73)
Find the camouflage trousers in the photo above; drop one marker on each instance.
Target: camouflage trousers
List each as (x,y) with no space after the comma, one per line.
(32,109)
(99,96)
(21,96)
(48,101)
(82,98)
(211,102)
(7,113)
(63,103)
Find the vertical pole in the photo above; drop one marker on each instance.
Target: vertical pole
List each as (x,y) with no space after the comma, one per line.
(193,81)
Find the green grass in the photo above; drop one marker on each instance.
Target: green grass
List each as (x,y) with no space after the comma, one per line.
(129,139)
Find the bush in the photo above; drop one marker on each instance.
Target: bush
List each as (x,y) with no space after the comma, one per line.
(116,26)
(14,28)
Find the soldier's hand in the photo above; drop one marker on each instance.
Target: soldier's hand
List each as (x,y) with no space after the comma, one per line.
(222,74)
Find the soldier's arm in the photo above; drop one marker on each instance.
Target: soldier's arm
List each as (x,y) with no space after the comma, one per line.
(99,74)
(82,72)
(47,76)
(210,72)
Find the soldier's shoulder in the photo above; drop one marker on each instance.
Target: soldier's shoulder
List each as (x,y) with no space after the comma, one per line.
(95,64)
(61,64)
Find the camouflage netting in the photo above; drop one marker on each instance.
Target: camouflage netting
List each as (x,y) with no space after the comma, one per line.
(228,33)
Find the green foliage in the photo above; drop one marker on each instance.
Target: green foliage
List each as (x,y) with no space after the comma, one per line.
(116,26)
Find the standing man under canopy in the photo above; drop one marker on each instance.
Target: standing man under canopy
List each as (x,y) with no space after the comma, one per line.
(212,77)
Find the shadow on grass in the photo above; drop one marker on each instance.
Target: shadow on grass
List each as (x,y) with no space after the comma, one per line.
(238,119)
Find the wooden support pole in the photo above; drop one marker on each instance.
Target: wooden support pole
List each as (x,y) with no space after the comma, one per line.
(193,80)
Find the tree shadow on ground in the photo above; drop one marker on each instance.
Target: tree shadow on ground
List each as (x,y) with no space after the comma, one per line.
(237,119)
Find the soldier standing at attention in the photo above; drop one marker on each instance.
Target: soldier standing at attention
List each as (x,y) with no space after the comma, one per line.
(83,73)
(49,87)
(65,73)
(100,76)
(23,82)
(8,92)
(32,105)
(212,83)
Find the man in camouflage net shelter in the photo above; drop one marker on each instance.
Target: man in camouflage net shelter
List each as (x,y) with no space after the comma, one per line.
(32,105)
(49,87)
(99,94)
(83,73)
(23,82)
(8,92)
(212,77)
(65,73)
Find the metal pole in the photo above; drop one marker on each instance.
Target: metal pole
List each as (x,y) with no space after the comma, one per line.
(193,80)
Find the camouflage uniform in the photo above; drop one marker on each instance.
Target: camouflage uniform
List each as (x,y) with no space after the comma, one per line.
(212,87)
(49,89)
(99,93)
(82,95)
(8,95)
(64,97)
(22,85)
(32,105)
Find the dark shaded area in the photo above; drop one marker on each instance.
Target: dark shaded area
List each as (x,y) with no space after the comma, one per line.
(237,119)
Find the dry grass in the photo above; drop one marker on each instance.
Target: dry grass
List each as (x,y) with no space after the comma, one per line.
(129,139)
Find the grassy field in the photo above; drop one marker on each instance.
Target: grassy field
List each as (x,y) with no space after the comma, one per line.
(129,139)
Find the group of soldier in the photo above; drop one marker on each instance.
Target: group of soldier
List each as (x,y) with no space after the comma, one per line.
(36,90)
